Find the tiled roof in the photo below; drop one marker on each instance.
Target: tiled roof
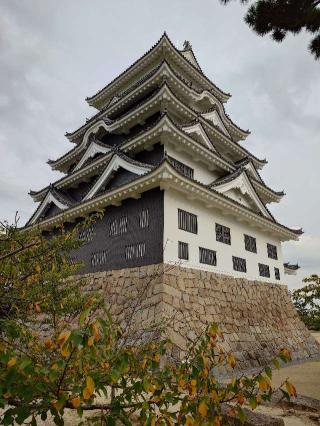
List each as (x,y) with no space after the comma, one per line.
(292,267)
(143,56)
(297,232)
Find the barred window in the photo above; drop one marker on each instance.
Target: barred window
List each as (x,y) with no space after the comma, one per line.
(264,270)
(144,218)
(86,234)
(272,251)
(99,258)
(250,243)
(277,273)
(183,250)
(182,168)
(208,257)
(187,221)
(134,251)
(72,260)
(239,264)
(223,234)
(118,226)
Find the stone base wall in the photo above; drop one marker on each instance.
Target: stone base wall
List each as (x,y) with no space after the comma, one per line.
(258,319)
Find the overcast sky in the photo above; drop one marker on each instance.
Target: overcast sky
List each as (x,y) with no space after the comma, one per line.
(55,53)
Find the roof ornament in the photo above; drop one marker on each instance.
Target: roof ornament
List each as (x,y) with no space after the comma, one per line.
(187,45)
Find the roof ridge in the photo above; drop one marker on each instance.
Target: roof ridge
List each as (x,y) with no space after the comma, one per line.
(164,36)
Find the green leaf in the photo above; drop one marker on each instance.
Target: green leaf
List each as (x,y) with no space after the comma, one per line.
(241,415)
(83,316)
(276,363)
(268,372)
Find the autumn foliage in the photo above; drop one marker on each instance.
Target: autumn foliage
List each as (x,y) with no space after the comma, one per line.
(60,349)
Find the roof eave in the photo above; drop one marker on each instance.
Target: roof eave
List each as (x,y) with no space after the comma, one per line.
(166,174)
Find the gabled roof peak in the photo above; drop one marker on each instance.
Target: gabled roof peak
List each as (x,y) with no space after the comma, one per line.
(163,41)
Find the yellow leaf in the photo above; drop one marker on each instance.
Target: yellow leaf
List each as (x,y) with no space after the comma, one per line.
(240,398)
(216,421)
(189,421)
(75,402)
(203,409)
(291,389)
(193,382)
(214,396)
(48,343)
(231,360)
(286,354)
(96,331)
(181,383)
(11,362)
(86,393)
(264,385)
(90,341)
(54,367)
(65,351)
(57,404)
(144,363)
(90,384)
(213,330)
(157,357)
(63,337)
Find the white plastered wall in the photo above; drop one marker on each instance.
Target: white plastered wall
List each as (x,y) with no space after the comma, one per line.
(201,170)
(206,238)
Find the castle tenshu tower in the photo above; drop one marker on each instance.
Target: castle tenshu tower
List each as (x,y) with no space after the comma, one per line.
(167,165)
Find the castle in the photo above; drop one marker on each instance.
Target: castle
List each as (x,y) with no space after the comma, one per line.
(165,161)
(167,165)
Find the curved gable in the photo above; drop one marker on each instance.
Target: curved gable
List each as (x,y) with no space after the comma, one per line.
(93,149)
(50,198)
(115,163)
(241,184)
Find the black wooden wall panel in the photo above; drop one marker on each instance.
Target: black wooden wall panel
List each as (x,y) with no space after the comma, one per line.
(115,246)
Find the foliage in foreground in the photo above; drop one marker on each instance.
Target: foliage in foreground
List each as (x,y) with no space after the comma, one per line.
(81,360)
(307,302)
(280,17)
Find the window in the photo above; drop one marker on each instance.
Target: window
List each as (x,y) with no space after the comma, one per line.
(135,251)
(250,243)
(72,260)
(272,251)
(144,218)
(264,270)
(183,250)
(223,234)
(277,273)
(187,221)
(208,257)
(99,258)
(86,234)
(118,226)
(182,168)
(239,264)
